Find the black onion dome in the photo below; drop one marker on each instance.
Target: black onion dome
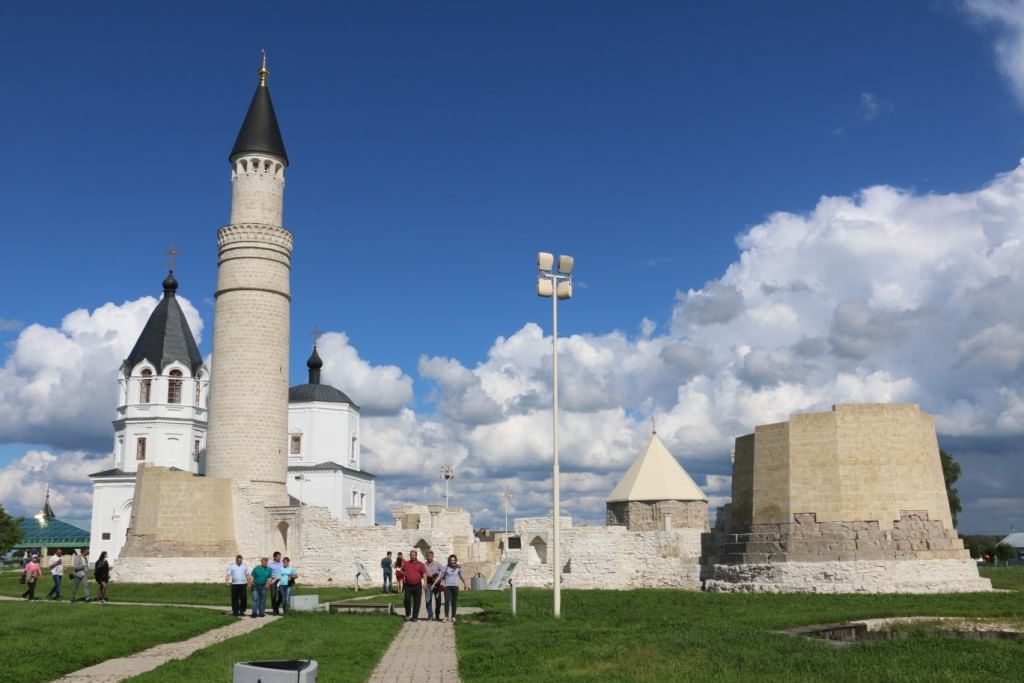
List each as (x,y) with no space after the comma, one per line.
(166,337)
(259,133)
(308,393)
(314,362)
(170,284)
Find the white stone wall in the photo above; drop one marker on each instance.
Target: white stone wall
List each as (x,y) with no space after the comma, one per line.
(608,557)
(883,576)
(333,489)
(111,514)
(329,431)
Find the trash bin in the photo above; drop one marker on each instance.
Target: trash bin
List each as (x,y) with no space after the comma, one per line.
(478,582)
(278,671)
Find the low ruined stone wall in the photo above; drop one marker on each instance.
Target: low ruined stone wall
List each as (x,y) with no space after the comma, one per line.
(650,515)
(616,558)
(884,576)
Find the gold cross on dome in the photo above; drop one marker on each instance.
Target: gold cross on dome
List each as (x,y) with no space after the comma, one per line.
(171,253)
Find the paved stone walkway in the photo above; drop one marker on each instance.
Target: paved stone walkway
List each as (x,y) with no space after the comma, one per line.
(121,668)
(422,652)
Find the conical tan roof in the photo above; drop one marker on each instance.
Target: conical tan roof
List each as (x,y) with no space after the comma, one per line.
(656,475)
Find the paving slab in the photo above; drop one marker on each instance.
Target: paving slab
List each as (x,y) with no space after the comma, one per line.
(422,652)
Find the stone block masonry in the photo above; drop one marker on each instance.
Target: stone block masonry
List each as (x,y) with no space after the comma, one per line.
(250,350)
(852,500)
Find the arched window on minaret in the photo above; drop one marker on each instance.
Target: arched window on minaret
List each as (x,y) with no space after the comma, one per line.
(174,387)
(146,386)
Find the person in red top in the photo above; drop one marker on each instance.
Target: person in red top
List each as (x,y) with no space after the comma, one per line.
(415,572)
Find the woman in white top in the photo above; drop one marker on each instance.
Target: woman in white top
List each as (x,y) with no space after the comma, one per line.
(450,578)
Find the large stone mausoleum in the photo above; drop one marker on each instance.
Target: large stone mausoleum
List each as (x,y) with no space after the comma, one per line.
(851,500)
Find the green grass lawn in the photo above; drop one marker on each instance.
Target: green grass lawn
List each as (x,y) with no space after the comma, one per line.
(1005,578)
(181,593)
(664,635)
(41,641)
(346,646)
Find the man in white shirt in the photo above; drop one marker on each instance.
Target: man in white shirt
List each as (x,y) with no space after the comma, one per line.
(57,572)
(238,578)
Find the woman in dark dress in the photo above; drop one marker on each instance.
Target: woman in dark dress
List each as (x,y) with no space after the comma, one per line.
(101,572)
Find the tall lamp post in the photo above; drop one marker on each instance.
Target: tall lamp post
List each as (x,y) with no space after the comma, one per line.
(507,496)
(447,473)
(555,283)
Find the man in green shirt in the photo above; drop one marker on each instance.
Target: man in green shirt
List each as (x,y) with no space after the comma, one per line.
(260,581)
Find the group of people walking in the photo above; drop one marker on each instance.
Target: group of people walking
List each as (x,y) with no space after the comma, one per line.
(275,578)
(415,578)
(32,572)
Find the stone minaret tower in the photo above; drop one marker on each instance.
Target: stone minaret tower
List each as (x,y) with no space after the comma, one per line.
(248,424)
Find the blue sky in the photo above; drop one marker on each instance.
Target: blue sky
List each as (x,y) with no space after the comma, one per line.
(435,147)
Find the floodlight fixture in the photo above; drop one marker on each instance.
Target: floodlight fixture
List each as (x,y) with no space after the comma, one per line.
(545,260)
(545,287)
(565,289)
(565,264)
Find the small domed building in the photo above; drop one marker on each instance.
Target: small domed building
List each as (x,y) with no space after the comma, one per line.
(160,419)
(657,494)
(324,450)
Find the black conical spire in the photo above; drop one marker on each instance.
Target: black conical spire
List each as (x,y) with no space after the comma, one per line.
(259,133)
(166,337)
(314,364)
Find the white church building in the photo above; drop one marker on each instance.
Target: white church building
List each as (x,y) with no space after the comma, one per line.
(161,419)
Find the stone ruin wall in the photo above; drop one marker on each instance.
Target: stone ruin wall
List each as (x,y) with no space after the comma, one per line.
(176,514)
(650,515)
(609,557)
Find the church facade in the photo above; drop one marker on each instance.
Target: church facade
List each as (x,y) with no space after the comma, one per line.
(161,420)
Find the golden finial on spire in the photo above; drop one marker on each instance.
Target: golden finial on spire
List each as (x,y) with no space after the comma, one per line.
(264,71)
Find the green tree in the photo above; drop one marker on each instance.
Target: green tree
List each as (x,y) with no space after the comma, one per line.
(951,472)
(10,532)
(1005,552)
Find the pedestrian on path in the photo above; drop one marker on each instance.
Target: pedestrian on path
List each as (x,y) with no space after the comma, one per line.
(80,575)
(287,582)
(101,572)
(238,578)
(260,578)
(431,589)
(415,572)
(451,577)
(275,578)
(400,573)
(32,573)
(57,572)
(385,566)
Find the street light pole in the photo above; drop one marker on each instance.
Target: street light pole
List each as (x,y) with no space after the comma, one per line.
(447,473)
(506,495)
(556,284)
